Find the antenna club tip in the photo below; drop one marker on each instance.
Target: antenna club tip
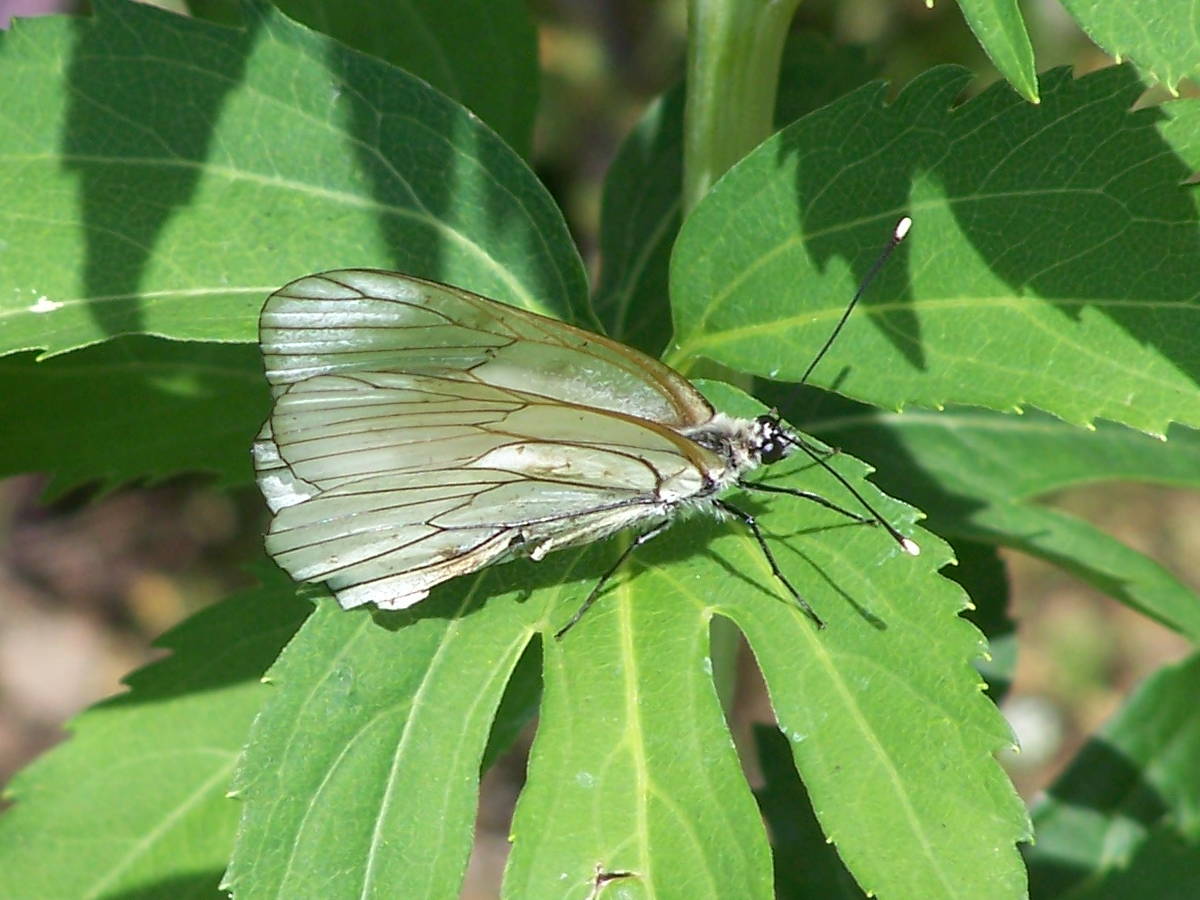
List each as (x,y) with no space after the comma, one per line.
(902,227)
(910,547)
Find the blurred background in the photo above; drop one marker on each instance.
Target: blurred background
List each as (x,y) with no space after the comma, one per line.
(87,581)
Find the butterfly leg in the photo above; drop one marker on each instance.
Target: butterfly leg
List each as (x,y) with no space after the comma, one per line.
(751,523)
(591,598)
(806,495)
(908,545)
(823,452)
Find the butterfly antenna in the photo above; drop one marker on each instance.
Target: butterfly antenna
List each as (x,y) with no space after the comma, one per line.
(898,234)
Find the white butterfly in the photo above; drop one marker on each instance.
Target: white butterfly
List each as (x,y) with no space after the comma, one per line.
(421,432)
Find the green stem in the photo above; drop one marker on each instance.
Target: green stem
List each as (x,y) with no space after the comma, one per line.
(734,51)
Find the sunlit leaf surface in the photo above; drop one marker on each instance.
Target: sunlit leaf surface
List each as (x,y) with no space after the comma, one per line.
(1054,258)
(1161,37)
(172,173)
(1122,820)
(135,802)
(496,79)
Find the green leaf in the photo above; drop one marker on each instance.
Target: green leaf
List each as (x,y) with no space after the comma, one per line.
(928,818)
(1160,36)
(816,72)
(977,474)
(496,78)
(1054,259)
(639,216)
(806,865)
(1164,868)
(633,768)
(894,661)
(131,408)
(1000,30)
(135,804)
(1124,819)
(518,706)
(167,174)
(1089,553)
(983,575)
(362,771)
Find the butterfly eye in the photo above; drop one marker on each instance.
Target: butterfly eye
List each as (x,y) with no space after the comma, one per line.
(773,441)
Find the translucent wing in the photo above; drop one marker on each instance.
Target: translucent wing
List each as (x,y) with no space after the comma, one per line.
(387,483)
(363,320)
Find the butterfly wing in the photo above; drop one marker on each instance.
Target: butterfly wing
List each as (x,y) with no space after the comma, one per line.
(364,320)
(387,483)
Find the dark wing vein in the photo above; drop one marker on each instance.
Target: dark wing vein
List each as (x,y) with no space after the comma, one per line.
(384,511)
(363,320)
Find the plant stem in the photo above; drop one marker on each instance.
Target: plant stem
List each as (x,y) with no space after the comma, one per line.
(734,51)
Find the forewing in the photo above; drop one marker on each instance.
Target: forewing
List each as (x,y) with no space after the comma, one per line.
(361,320)
(385,484)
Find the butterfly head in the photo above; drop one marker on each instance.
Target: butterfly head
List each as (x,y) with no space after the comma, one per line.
(772,439)
(744,444)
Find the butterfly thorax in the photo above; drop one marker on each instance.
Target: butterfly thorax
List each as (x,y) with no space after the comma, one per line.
(743,444)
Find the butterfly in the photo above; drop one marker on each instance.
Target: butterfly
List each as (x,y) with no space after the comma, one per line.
(421,432)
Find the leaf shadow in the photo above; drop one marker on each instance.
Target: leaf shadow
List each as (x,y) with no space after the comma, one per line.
(1053,198)
(963,508)
(984,576)
(137,138)
(777,591)
(806,862)
(640,214)
(963,520)
(234,641)
(561,581)
(192,886)
(564,578)
(431,172)
(840,422)
(1102,780)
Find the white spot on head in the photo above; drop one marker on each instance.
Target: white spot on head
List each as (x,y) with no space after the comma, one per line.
(44,304)
(902,227)
(910,546)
